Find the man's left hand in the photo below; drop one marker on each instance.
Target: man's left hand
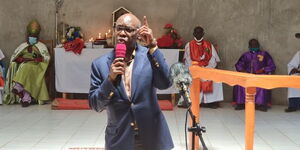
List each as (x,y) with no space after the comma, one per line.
(146,34)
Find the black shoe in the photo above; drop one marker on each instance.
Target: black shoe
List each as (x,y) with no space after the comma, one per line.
(33,101)
(214,105)
(24,104)
(205,105)
(15,91)
(290,109)
(263,108)
(240,107)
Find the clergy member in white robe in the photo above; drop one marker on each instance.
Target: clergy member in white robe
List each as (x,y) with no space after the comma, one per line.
(205,54)
(293,93)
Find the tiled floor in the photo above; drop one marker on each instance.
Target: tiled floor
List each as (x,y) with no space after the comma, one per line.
(40,128)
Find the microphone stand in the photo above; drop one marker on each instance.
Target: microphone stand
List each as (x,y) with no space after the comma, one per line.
(196,129)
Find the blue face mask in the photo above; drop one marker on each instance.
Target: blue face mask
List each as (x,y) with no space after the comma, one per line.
(32,40)
(254,49)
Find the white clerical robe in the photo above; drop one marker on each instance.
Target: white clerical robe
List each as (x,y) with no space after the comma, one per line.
(217,94)
(294,63)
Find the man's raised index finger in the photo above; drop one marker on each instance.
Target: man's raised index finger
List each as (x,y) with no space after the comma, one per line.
(145,21)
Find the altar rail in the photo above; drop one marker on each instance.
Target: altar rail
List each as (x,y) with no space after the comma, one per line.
(249,81)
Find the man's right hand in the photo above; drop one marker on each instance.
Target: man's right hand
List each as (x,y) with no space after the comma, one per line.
(116,68)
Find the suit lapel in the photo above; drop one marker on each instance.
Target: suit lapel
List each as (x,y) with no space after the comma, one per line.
(139,61)
(120,86)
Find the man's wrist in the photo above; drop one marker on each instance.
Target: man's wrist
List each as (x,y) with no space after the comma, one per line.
(153,43)
(152,50)
(111,79)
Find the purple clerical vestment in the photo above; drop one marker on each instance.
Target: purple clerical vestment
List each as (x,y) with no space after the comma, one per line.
(252,62)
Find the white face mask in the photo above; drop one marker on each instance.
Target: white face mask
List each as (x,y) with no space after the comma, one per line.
(32,40)
(198,41)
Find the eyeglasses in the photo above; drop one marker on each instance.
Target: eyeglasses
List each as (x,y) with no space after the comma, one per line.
(124,28)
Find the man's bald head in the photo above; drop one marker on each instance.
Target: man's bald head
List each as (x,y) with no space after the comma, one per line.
(129,20)
(126,30)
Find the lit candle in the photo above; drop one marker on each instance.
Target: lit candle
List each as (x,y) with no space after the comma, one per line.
(105,35)
(99,35)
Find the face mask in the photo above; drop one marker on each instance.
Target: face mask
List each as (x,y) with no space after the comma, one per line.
(254,49)
(32,40)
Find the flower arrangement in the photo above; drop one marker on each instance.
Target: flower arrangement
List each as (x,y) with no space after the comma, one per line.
(73,40)
(170,39)
(73,33)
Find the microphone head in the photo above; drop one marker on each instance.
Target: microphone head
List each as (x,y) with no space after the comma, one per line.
(120,51)
(297,35)
(180,74)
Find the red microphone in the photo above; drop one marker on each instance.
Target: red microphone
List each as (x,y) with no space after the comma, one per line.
(120,51)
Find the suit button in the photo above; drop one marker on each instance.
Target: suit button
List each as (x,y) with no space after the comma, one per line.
(132,124)
(157,64)
(111,94)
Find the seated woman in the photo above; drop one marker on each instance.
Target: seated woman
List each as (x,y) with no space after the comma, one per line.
(25,82)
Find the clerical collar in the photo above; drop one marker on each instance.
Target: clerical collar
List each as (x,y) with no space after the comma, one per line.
(198,41)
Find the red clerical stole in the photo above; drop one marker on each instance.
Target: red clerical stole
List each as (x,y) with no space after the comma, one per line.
(197,52)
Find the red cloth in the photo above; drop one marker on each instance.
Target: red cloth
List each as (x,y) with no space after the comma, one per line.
(165,105)
(19,59)
(39,59)
(1,81)
(207,86)
(76,46)
(196,51)
(70,104)
(260,71)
